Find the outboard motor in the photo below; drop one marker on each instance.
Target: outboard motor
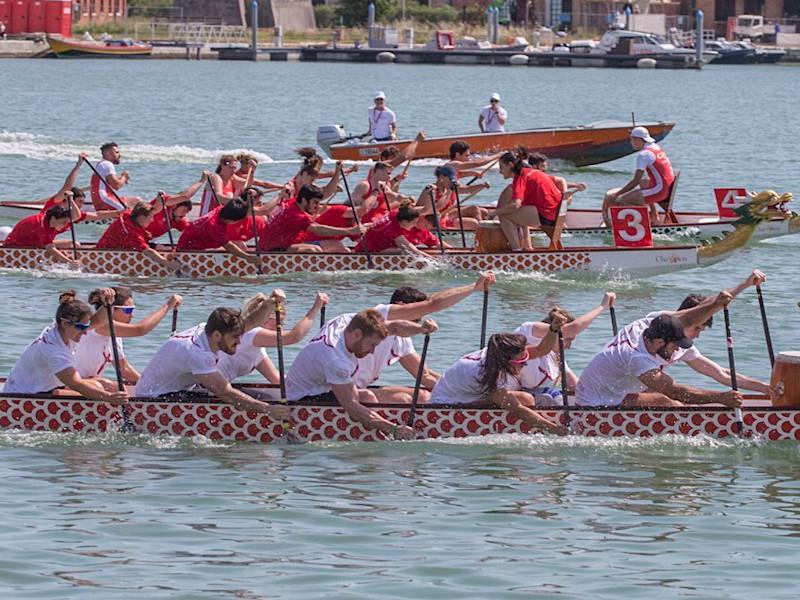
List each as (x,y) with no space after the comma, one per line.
(327,135)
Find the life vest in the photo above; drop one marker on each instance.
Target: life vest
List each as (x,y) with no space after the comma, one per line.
(209,201)
(659,175)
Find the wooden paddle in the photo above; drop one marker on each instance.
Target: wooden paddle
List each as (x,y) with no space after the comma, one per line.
(436,219)
(252,205)
(732,368)
(418,382)
(612,312)
(486,170)
(127,426)
(454,188)
(279,346)
(484,315)
(167,219)
(70,201)
(357,220)
(764,322)
(562,363)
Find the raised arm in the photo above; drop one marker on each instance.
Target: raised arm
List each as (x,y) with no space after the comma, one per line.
(147,324)
(266,308)
(402,328)
(69,182)
(440,300)
(580,324)
(266,338)
(550,340)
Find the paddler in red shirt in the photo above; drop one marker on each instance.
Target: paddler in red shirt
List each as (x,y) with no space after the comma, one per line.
(374,195)
(41,229)
(283,231)
(399,231)
(129,232)
(538,161)
(532,200)
(178,205)
(211,231)
(447,210)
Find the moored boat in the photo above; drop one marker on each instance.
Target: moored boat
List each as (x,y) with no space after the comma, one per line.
(205,416)
(582,145)
(67,48)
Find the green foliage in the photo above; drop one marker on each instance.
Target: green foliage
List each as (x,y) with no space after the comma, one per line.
(354,12)
(428,14)
(325,16)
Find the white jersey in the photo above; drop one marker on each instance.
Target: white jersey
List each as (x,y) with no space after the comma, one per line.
(174,367)
(380,123)
(388,352)
(538,372)
(459,384)
(247,357)
(93,353)
(106,168)
(325,361)
(35,371)
(614,372)
(491,122)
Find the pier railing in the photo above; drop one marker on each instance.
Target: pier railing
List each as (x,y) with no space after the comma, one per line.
(195,33)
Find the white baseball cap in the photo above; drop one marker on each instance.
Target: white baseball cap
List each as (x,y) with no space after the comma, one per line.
(380,95)
(495,96)
(642,134)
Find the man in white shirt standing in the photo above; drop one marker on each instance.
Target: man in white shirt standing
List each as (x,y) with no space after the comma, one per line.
(629,371)
(493,117)
(382,121)
(102,197)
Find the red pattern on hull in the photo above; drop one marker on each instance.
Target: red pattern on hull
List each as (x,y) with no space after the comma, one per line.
(331,423)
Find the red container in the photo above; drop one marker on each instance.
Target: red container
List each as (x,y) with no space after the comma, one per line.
(5,13)
(19,17)
(36,12)
(58,15)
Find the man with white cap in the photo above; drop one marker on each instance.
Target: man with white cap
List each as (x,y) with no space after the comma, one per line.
(652,181)
(382,121)
(493,117)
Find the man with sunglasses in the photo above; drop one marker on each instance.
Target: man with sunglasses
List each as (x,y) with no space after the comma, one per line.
(493,118)
(382,121)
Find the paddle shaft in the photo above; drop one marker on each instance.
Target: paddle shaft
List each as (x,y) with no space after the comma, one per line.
(72,231)
(255,232)
(279,345)
(613,314)
(486,170)
(105,183)
(432,191)
(322,316)
(732,366)
(562,364)
(765,323)
(167,220)
(127,426)
(357,220)
(418,382)
(454,187)
(174,320)
(484,316)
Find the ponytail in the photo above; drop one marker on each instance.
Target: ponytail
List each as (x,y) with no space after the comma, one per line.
(517,159)
(502,347)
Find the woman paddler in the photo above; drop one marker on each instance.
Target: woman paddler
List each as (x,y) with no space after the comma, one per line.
(223,185)
(442,191)
(178,205)
(532,200)
(374,195)
(492,375)
(40,231)
(251,354)
(130,232)
(48,363)
(94,352)
(541,377)
(398,231)
(311,172)
(248,163)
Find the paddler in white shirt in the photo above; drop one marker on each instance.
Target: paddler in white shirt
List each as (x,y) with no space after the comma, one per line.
(48,363)
(409,304)
(541,376)
(94,353)
(188,360)
(492,375)
(325,369)
(629,371)
(251,355)
(102,197)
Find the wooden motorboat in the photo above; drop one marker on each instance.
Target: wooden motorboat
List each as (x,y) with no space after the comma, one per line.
(67,48)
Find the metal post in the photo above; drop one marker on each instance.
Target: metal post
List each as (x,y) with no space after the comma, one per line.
(254,25)
(489,25)
(698,41)
(627,17)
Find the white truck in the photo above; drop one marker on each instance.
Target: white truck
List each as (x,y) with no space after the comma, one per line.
(753,27)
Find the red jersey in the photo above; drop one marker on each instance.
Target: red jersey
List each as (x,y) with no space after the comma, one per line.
(205,233)
(380,209)
(659,173)
(33,232)
(383,235)
(158,226)
(124,234)
(333,216)
(208,201)
(537,188)
(283,229)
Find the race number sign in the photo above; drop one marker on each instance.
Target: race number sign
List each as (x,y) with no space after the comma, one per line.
(728,200)
(631,226)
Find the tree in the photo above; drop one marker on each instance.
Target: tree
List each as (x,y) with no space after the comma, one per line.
(355,12)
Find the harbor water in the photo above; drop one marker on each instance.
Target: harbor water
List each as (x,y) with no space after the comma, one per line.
(129,516)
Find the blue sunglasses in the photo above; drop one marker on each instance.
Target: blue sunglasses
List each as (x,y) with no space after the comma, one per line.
(78,325)
(128,310)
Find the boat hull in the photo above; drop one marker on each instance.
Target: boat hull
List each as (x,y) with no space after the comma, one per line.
(201,265)
(63,48)
(589,145)
(218,421)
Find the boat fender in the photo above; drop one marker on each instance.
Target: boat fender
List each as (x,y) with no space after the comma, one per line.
(385,57)
(518,60)
(646,63)
(4,231)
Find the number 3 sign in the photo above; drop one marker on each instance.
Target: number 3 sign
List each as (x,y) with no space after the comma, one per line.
(728,200)
(631,226)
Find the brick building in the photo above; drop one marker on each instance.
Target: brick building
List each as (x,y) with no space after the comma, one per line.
(99,11)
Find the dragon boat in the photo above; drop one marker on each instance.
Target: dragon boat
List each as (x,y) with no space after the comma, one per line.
(208,417)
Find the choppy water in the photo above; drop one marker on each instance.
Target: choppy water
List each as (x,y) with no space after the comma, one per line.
(508,516)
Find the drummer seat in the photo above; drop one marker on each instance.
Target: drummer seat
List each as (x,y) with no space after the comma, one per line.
(666,205)
(555,231)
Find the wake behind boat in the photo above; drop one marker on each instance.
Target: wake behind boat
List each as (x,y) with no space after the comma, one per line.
(582,145)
